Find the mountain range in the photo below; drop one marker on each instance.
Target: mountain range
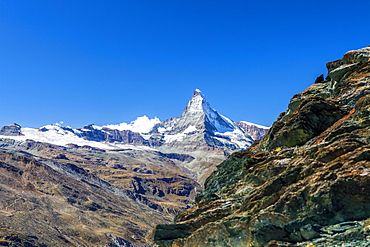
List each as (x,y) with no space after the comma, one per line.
(110,185)
(199,125)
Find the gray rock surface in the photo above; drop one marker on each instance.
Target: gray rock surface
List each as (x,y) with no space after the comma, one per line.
(11,130)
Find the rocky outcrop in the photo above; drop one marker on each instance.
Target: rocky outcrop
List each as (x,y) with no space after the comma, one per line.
(11,130)
(310,172)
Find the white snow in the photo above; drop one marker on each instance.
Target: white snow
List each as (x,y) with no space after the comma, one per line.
(180,136)
(174,138)
(164,129)
(236,137)
(190,129)
(225,126)
(97,127)
(141,125)
(161,129)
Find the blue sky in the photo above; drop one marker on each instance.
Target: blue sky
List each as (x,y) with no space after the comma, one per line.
(108,62)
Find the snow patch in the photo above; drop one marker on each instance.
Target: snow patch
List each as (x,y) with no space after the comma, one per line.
(180,136)
(174,138)
(190,129)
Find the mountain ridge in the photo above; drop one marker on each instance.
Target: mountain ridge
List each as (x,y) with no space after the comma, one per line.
(197,117)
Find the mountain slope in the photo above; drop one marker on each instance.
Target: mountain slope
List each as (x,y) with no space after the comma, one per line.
(46,203)
(304,184)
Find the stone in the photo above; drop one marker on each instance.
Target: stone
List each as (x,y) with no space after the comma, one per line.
(308,232)
(320,79)
(171,231)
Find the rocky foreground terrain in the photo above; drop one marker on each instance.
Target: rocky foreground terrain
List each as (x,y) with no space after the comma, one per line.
(306,183)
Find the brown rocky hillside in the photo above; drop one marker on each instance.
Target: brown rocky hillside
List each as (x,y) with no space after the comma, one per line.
(306,183)
(46,203)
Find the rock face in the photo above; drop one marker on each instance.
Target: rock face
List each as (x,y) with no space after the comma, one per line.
(11,130)
(309,172)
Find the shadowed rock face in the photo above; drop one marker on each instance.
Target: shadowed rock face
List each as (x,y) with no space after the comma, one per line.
(311,170)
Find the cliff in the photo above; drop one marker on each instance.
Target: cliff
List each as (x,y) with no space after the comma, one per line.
(307,181)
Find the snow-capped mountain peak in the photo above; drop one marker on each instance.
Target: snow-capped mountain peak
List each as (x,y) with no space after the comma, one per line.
(197,103)
(199,108)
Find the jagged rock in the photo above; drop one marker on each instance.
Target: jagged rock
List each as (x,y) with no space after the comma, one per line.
(11,130)
(350,233)
(312,116)
(310,171)
(320,79)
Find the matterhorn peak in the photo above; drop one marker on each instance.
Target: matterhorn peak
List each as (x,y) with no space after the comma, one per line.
(197,103)
(197,92)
